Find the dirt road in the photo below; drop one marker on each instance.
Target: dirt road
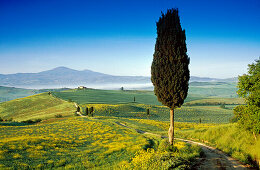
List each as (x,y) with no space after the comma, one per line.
(213,158)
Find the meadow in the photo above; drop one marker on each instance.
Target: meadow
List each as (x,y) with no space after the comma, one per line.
(101,141)
(81,143)
(11,93)
(39,106)
(230,138)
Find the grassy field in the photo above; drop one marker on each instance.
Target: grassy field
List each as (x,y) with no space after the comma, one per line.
(11,93)
(214,89)
(40,106)
(100,142)
(230,138)
(117,104)
(81,143)
(205,114)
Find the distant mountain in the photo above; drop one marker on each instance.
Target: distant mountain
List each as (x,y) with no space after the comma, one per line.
(63,77)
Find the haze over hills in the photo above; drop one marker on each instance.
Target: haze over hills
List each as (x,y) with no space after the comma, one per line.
(66,77)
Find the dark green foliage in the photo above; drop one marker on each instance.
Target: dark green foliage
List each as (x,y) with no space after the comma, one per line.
(1,119)
(122,88)
(91,111)
(78,109)
(249,88)
(222,106)
(32,121)
(10,119)
(86,110)
(134,99)
(147,111)
(58,115)
(170,72)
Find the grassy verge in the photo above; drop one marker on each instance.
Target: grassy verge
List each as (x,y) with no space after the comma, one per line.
(229,138)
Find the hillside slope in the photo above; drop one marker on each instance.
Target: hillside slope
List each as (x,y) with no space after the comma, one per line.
(41,106)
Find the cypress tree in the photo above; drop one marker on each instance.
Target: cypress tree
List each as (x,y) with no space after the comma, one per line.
(169,71)
(86,110)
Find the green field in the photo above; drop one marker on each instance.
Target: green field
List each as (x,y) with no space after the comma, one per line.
(100,142)
(214,89)
(39,106)
(207,114)
(11,93)
(81,143)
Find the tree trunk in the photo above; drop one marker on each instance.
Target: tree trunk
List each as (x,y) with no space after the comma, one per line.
(171,129)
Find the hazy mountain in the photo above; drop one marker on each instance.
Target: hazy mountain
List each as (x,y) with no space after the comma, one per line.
(63,76)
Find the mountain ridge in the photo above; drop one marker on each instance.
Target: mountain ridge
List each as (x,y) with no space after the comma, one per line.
(64,76)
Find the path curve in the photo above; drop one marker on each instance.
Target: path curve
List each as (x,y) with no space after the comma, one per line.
(213,158)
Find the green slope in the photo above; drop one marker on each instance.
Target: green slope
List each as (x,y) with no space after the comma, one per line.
(11,93)
(112,96)
(41,106)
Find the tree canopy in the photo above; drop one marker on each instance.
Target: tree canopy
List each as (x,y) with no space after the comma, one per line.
(170,73)
(249,88)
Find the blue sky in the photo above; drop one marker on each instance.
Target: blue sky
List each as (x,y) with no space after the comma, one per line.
(118,36)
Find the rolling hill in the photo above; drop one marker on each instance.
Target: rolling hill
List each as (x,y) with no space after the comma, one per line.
(39,106)
(11,93)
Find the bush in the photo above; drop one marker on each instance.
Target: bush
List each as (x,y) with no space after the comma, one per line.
(166,146)
(222,106)
(58,116)
(1,119)
(10,119)
(29,121)
(177,156)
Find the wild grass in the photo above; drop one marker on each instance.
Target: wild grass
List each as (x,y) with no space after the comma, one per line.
(72,142)
(178,156)
(229,138)
(86,143)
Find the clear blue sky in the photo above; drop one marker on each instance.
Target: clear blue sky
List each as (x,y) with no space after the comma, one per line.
(118,36)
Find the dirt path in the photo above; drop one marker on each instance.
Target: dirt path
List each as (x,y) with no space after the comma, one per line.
(213,158)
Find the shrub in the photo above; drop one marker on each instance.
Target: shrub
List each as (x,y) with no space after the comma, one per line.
(58,115)
(10,119)
(1,119)
(222,106)
(29,121)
